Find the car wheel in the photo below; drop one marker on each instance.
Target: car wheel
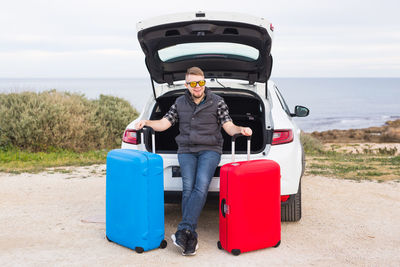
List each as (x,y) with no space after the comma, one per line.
(291,210)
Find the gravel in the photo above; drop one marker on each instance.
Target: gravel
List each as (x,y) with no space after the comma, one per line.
(58,219)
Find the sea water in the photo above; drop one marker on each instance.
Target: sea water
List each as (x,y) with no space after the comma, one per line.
(343,103)
(334,103)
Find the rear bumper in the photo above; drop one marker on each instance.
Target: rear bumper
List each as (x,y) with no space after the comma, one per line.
(213,197)
(286,155)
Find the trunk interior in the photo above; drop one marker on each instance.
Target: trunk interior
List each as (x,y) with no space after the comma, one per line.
(245,109)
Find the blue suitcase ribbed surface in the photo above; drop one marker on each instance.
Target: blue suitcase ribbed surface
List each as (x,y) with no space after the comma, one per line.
(135,199)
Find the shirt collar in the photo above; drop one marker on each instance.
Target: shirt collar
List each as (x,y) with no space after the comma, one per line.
(206,93)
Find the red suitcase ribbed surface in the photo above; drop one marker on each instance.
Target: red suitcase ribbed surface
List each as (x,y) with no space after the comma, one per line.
(251,193)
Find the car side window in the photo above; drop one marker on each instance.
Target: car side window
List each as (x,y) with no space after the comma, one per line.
(282,101)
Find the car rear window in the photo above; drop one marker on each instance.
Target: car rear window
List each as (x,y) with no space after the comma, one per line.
(208,50)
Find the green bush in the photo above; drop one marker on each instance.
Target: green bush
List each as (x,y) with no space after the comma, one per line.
(311,144)
(113,114)
(54,120)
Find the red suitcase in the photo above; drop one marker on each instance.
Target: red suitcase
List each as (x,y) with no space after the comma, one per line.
(250,207)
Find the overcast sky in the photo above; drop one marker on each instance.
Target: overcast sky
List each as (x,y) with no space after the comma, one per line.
(97,38)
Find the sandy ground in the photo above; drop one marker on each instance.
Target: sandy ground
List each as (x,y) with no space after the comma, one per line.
(362,148)
(58,219)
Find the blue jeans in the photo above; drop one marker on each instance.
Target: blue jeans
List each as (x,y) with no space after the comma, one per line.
(197,170)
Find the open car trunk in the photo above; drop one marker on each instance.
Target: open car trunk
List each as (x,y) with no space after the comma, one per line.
(245,108)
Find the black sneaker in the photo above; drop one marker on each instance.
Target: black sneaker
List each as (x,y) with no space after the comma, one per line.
(180,238)
(191,246)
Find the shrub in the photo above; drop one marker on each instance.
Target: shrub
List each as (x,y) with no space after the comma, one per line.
(387,151)
(51,119)
(310,144)
(391,135)
(112,114)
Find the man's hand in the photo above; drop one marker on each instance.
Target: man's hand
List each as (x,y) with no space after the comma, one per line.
(246,131)
(157,125)
(139,125)
(232,129)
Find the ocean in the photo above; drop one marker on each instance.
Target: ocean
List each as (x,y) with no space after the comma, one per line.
(334,103)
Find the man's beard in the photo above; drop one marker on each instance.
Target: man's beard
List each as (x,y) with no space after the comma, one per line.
(197,97)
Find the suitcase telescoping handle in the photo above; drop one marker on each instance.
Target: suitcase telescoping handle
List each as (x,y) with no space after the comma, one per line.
(153,137)
(233,145)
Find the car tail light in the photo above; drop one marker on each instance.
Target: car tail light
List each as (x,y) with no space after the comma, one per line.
(131,137)
(284,198)
(282,137)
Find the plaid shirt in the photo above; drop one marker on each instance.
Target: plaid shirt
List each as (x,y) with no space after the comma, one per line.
(223,113)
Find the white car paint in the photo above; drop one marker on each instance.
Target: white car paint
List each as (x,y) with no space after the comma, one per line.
(288,156)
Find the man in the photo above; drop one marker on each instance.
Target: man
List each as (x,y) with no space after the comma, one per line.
(201,114)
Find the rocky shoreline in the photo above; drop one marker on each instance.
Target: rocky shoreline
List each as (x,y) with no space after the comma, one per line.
(388,133)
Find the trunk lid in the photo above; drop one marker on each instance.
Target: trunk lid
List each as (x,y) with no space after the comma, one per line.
(224,45)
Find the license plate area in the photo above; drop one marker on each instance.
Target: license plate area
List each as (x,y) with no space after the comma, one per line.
(176,172)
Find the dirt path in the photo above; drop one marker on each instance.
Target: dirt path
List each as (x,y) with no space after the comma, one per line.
(58,219)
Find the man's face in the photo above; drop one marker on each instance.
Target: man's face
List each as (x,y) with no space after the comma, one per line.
(198,91)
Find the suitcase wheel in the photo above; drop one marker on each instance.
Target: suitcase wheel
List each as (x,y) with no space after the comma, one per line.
(139,249)
(277,245)
(236,252)
(219,245)
(163,244)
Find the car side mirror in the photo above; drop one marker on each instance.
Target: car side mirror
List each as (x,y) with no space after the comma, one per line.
(300,111)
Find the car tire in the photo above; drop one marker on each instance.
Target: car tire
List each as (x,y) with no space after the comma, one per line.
(291,209)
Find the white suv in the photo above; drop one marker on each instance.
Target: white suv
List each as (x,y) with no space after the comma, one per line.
(233,50)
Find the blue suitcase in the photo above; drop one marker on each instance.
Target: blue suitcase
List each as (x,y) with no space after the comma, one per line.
(135,199)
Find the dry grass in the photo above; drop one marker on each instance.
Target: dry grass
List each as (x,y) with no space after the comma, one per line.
(356,161)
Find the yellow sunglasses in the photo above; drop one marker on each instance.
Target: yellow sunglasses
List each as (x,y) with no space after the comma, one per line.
(194,84)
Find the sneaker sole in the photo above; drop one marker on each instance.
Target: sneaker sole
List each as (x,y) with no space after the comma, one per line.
(191,254)
(176,244)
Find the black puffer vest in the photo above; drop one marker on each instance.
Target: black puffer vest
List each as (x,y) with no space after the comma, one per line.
(198,124)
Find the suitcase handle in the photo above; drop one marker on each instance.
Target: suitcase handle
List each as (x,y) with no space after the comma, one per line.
(234,137)
(223,207)
(153,137)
